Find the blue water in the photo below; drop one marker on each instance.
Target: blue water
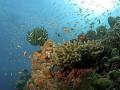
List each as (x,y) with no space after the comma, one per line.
(17,17)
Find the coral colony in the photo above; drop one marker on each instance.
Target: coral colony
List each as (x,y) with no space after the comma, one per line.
(89,62)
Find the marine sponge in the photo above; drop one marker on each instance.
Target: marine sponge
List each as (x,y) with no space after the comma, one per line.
(37,36)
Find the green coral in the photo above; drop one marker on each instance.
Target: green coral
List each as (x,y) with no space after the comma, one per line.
(114,75)
(88,81)
(67,54)
(115,52)
(37,36)
(95,81)
(91,52)
(115,62)
(77,53)
(102,84)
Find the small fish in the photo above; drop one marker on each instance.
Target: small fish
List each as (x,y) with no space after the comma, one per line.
(25,53)
(11,74)
(74,4)
(18,46)
(99,21)
(29,57)
(57,34)
(19,72)
(80,10)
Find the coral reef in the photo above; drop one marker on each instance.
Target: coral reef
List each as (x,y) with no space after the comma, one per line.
(67,55)
(91,52)
(114,75)
(102,84)
(112,38)
(114,52)
(111,21)
(91,35)
(101,31)
(90,62)
(38,36)
(115,62)
(44,54)
(77,53)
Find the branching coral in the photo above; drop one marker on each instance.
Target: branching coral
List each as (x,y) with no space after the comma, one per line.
(77,53)
(37,36)
(67,54)
(90,53)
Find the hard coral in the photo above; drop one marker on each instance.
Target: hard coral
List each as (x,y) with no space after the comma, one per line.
(90,53)
(76,53)
(67,54)
(38,36)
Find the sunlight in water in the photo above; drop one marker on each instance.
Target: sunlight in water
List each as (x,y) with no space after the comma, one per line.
(96,6)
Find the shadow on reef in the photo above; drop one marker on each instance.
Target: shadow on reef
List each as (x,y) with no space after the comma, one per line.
(89,62)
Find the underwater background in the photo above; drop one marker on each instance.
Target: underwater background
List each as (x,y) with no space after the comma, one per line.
(19,17)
